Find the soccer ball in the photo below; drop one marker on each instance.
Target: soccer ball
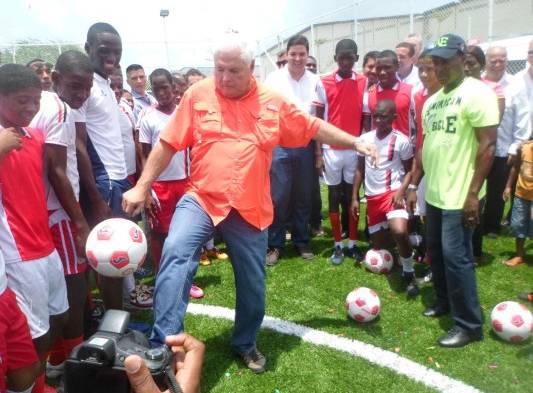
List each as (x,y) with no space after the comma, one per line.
(363,304)
(116,247)
(512,321)
(379,261)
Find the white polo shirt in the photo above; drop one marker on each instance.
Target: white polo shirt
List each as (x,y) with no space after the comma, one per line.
(101,115)
(56,120)
(307,92)
(127,127)
(412,78)
(152,122)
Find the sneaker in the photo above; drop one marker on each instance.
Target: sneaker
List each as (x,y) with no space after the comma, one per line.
(196,292)
(527,296)
(513,262)
(217,254)
(254,360)
(272,256)
(143,287)
(98,311)
(305,251)
(411,286)
(54,372)
(338,257)
(204,259)
(140,298)
(355,253)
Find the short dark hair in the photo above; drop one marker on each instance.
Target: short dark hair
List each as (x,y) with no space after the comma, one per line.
(161,72)
(408,46)
(298,39)
(373,54)
(477,52)
(134,67)
(193,72)
(389,103)
(16,77)
(97,28)
(72,60)
(388,54)
(311,57)
(178,78)
(345,45)
(30,63)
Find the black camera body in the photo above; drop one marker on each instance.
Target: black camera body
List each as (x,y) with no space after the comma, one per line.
(97,365)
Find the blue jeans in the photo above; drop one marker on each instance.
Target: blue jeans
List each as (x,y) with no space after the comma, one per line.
(190,228)
(449,244)
(291,187)
(111,191)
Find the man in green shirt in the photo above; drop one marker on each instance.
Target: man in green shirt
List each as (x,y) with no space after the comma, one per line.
(460,122)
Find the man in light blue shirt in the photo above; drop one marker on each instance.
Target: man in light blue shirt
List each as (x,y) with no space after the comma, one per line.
(136,79)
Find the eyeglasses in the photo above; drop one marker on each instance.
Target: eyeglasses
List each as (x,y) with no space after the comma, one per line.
(281,63)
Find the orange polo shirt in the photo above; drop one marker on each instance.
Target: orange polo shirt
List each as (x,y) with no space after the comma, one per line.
(231,143)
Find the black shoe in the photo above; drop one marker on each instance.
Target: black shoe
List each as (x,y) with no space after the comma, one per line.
(457,337)
(305,251)
(355,253)
(411,287)
(435,311)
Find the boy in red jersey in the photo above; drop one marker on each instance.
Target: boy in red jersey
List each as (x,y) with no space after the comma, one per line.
(344,94)
(33,266)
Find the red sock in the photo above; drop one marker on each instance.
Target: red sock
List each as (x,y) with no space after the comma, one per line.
(353,222)
(57,354)
(39,384)
(69,344)
(334,218)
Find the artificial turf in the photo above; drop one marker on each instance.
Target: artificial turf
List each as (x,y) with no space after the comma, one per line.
(312,293)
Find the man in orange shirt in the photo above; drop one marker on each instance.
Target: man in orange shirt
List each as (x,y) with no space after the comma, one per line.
(231,123)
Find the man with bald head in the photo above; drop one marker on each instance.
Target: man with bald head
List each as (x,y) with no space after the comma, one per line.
(514,128)
(231,123)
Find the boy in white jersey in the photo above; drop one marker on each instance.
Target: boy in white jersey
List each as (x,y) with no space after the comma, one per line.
(172,183)
(72,78)
(385,188)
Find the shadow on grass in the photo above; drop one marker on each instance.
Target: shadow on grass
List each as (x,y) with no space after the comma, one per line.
(207,280)
(372,328)
(219,356)
(526,353)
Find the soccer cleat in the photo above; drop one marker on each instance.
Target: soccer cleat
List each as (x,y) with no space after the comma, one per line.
(254,360)
(411,286)
(53,372)
(217,254)
(140,298)
(196,292)
(355,253)
(337,257)
(204,259)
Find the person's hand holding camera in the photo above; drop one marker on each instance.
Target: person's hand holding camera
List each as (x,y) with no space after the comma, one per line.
(188,356)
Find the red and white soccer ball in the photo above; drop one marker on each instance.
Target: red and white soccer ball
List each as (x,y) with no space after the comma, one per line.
(116,247)
(512,321)
(379,261)
(363,304)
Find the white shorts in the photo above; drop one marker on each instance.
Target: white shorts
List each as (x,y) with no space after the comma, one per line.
(40,289)
(339,165)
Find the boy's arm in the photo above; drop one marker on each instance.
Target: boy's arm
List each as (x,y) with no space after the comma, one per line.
(358,177)
(515,162)
(399,197)
(416,174)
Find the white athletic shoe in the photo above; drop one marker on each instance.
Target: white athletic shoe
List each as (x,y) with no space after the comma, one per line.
(54,372)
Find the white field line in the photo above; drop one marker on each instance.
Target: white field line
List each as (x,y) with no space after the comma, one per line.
(376,355)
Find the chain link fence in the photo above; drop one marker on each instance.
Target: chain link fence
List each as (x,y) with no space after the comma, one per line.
(376,26)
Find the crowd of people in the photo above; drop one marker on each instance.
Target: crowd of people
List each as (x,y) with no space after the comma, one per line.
(433,140)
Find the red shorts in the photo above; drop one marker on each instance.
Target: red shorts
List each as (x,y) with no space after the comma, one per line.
(168,194)
(380,210)
(16,347)
(63,234)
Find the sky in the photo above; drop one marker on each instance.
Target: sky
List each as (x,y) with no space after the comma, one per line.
(190,27)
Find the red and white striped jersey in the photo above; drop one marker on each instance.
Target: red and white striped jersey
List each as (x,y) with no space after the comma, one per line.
(392,150)
(24,232)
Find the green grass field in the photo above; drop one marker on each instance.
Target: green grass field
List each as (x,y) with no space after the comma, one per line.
(312,294)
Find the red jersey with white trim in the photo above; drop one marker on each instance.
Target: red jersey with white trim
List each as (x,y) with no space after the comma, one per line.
(152,122)
(392,150)
(24,232)
(419,98)
(400,93)
(344,103)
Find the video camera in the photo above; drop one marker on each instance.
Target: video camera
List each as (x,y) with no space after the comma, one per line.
(97,365)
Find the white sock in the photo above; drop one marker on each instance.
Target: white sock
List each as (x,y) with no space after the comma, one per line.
(210,244)
(338,244)
(128,286)
(407,264)
(351,243)
(22,391)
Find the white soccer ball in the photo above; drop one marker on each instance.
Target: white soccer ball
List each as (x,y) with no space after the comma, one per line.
(116,247)
(363,304)
(512,321)
(379,261)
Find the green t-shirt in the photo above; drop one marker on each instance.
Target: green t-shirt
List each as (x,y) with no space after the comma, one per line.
(450,144)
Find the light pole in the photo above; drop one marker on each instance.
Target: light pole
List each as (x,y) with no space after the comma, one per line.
(163,14)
